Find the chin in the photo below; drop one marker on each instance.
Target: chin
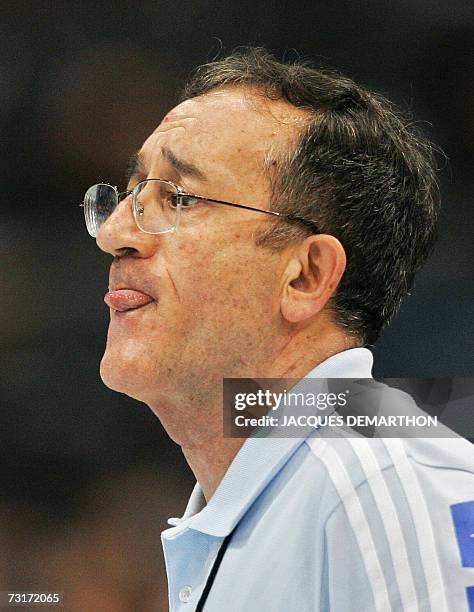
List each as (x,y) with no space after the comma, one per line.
(130,374)
(119,376)
(111,376)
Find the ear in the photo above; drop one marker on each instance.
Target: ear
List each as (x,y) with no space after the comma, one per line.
(311,276)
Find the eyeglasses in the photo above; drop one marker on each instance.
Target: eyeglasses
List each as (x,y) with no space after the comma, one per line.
(157,205)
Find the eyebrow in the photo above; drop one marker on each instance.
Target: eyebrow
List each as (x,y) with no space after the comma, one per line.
(136,166)
(184,168)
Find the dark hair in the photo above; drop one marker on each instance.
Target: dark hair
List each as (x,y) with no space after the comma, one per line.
(359,170)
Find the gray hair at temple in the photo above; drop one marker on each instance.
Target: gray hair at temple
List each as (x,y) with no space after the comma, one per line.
(359,170)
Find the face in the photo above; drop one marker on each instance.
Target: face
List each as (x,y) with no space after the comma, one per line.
(215,296)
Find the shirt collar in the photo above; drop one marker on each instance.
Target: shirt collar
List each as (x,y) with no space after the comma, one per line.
(260,459)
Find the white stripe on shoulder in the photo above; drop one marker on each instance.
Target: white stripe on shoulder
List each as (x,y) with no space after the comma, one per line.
(357,518)
(422,522)
(388,514)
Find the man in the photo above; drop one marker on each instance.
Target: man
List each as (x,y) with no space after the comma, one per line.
(316,205)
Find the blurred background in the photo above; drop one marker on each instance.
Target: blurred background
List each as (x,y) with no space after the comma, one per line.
(88,477)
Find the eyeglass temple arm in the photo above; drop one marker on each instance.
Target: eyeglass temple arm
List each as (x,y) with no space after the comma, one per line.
(192,195)
(288,217)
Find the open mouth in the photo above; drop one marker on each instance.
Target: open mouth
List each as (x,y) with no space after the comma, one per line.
(124,300)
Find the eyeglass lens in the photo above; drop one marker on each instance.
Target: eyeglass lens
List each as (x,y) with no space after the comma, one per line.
(155,206)
(100,202)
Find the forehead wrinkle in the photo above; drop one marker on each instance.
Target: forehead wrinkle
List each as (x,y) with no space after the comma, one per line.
(179,122)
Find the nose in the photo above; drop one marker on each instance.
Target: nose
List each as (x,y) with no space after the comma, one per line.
(119,234)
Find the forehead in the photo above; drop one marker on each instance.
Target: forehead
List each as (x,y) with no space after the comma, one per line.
(226,132)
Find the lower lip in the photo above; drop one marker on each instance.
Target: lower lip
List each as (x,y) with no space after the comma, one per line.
(128,321)
(130,311)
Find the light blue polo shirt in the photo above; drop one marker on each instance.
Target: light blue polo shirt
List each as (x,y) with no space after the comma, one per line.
(332,524)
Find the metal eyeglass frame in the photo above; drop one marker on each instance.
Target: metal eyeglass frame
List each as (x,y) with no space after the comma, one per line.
(192,199)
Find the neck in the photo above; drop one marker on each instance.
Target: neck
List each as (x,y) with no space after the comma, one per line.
(208,453)
(294,360)
(211,461)
(196,423)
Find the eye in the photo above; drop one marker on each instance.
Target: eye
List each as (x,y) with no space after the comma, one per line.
(185,200)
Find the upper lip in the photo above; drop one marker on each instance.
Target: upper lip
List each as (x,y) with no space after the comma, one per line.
(120,286)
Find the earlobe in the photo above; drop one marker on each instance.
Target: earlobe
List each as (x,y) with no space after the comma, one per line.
(311,277)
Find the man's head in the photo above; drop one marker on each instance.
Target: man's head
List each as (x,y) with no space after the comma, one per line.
(234,289)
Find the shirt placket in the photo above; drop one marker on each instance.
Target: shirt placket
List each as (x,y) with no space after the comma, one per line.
(189,556)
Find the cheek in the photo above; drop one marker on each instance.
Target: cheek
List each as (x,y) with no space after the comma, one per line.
(225,280)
